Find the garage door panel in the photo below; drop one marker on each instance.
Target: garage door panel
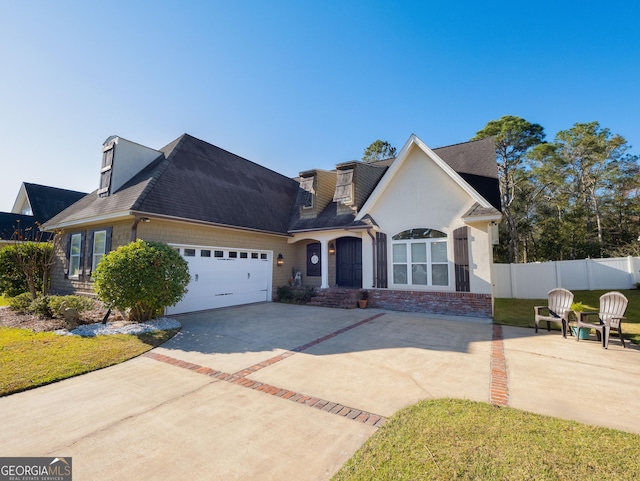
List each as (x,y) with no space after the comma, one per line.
(229,278)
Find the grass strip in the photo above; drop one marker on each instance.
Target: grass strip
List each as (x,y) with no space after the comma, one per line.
(464,440)
(31,359)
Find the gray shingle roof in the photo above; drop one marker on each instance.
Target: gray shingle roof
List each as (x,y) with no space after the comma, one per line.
(195,180)
(475,161)
(25,226)
(192,179)
(476,157)
(47,201)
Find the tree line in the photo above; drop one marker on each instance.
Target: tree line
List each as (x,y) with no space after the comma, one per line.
(575,197)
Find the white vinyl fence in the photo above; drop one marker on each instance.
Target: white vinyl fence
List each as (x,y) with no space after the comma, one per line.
(533,281)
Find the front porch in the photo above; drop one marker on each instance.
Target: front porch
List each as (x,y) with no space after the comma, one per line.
(329,260)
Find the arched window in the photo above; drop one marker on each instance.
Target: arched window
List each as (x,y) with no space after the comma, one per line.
(419,258)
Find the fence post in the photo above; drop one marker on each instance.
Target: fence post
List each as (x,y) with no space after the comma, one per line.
(589,279)
(513,281)
(558,274)
(631,266)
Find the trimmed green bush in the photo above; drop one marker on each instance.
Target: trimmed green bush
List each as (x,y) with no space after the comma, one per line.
(21,302)
(40,306)
(141,279)
(58,304)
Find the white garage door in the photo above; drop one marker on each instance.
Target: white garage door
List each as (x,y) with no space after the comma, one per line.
(222,277)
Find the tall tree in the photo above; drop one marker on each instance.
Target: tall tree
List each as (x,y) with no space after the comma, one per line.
(378,150)
(591,166)
(514,137)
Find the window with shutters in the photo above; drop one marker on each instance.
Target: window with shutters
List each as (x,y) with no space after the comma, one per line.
(75,255)
(99,248)
(98,245)
(106,169)
(344,187)
(307,192)
(419,258)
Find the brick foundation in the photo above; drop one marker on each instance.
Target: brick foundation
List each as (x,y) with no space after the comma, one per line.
(448,303)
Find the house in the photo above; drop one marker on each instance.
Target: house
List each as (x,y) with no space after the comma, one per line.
(35,204)
(416,231)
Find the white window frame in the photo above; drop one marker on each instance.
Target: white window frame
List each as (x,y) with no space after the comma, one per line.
(97,255)
(75,259)
(409,263)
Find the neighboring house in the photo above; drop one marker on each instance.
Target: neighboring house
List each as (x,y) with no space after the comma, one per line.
(416,231)
(34,205)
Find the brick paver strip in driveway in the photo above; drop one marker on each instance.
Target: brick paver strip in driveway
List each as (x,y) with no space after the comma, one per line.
(239,378)
(499,389)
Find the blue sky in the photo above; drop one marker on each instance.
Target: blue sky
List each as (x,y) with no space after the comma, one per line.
(295,85)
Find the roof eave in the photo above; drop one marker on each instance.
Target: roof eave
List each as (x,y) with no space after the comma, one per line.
(152,216)
(86,220)
(482,218)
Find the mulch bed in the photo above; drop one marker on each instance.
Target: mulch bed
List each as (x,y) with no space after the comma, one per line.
(9,318)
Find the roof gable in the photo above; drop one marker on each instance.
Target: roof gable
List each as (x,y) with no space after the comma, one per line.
(44,201)
(457,155)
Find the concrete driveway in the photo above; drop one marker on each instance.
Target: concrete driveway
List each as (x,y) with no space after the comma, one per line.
(274,391)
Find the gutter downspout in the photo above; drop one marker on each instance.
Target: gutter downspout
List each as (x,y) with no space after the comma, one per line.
(375,257)
(134,229)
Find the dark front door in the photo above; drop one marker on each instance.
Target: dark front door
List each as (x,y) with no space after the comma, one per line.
(349,262)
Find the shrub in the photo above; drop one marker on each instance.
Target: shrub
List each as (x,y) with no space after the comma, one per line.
(23,263)
(21,302)
(58,304)
(284,293)
(363,295)
(12,280)
(295,295)
(40,306)
(141,279)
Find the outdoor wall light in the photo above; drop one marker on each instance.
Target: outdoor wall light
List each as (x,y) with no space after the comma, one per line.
(145,219)
(280,260)
(332,248)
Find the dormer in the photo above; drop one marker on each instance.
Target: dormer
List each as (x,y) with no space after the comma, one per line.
(355,181)
(344,193)
(121,160)
(316,191)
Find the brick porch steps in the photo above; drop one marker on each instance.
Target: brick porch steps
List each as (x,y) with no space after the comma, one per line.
(335,297)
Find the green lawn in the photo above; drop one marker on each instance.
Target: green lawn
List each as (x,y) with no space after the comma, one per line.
(519,312)
(448,439)
(31,359)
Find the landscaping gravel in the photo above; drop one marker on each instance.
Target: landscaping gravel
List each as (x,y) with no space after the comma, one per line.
(120,327)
